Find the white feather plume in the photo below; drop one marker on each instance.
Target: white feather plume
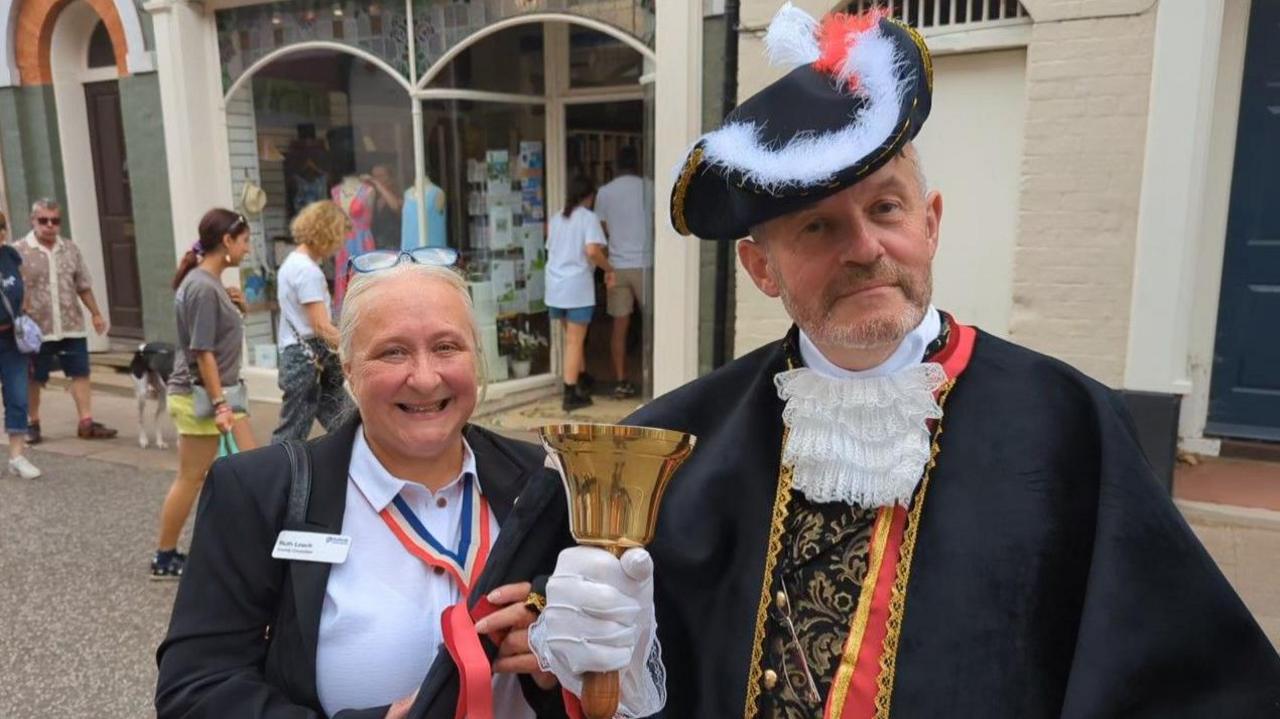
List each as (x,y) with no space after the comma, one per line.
(813,158)
(792,38)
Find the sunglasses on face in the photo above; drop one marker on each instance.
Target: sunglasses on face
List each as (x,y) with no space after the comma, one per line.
(386,259)
(51,221)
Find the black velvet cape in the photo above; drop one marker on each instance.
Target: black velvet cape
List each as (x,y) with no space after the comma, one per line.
(1053,577)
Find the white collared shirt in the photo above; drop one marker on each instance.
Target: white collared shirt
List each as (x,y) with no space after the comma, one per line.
(910,351)
(380,623)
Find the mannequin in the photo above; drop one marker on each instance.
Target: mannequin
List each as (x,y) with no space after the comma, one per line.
(437,235)
(356,198)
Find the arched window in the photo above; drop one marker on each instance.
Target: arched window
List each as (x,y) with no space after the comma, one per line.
(101,52)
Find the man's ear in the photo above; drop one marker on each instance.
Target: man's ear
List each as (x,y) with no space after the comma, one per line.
(756,262)
(933,216)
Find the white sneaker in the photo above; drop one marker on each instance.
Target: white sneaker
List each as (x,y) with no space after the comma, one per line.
(23,467)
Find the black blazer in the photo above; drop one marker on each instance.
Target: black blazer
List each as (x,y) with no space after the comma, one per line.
(242,638)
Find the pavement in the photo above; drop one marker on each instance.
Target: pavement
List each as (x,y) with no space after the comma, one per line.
(80,620)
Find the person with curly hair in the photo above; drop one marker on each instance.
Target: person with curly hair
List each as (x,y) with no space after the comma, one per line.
(310,375)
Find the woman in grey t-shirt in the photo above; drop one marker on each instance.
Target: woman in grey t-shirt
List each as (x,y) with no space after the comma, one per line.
(210,335)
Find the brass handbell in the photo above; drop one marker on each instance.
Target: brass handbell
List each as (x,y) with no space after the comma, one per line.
(614,477)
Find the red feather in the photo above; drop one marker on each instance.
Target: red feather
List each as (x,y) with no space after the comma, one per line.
(838,34)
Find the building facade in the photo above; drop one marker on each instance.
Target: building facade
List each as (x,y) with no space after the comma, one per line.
(1105,164)
(1105,168)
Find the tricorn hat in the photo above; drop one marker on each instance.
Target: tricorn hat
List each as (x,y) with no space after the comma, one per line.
(861,92)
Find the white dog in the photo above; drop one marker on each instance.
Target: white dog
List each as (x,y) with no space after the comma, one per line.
(151,366)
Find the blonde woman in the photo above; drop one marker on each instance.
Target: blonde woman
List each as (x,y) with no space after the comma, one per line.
(310,374)
(406,470)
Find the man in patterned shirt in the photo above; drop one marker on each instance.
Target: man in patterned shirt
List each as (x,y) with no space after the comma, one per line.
(57,283)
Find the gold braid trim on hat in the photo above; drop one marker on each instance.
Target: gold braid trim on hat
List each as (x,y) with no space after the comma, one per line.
(682,188)
(926,57)
(898,595)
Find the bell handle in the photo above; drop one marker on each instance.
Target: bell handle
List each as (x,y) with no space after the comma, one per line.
(599,695)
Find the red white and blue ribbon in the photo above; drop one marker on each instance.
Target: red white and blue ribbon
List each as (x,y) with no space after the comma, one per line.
(466,561)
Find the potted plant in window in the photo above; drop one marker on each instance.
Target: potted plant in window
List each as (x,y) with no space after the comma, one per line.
(526,344)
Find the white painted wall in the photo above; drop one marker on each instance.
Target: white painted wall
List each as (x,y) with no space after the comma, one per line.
(972,150)
(68,60)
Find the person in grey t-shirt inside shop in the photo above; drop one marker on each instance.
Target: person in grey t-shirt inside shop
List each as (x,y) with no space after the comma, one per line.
(206,396)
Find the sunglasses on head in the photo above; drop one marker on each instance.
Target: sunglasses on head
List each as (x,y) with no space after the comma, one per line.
(238,226)
(386,259)
(54,221)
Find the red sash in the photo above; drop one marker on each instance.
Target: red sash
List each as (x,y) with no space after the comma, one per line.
(863,685)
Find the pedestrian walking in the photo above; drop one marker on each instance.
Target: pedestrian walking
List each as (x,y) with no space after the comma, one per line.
(206,396)
(310,375)
(57,283)
(13,363)
(575,247)
(624,206)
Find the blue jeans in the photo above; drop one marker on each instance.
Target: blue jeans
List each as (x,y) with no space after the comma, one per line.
(14,367)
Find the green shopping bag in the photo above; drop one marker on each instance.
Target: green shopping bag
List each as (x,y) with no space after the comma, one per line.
(227,445)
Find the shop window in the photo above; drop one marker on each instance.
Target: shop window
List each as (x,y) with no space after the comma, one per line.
(247,34)
(318,125)
(599,60)
(101,52)
(509,61)
(485,193)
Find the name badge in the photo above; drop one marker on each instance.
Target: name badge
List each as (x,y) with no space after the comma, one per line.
(312,547)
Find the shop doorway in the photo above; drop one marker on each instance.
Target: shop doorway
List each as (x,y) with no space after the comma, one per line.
(604,142)
(115,208)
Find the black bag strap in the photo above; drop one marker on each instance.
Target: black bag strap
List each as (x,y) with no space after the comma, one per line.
(299,483)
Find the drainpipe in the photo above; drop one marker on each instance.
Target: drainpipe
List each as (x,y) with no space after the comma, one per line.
(724,258)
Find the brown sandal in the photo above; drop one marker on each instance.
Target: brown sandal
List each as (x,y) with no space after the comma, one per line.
(94,430)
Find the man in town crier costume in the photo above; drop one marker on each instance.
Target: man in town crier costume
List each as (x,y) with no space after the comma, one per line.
(888,512)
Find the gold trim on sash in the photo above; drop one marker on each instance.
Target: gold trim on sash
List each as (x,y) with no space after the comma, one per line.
(898,598)
(781,507)
(844,672)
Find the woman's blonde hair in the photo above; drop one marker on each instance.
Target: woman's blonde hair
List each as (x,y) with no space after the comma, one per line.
(354,310)
(322,225)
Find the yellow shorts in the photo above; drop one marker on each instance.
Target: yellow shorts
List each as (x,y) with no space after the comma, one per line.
(182,408)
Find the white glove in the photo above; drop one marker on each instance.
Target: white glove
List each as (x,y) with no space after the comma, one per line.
(599,618)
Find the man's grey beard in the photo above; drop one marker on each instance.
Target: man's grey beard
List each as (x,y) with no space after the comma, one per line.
(821,327)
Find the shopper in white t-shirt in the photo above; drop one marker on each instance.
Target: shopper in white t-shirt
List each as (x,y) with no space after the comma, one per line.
(624,206)
(575,247)
(310,375)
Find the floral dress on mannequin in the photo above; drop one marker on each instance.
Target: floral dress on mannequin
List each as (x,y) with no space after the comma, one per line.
(356,198)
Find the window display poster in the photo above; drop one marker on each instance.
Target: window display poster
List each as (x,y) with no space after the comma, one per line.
(530,159)
(531,239)
(531,201)
(499,171)
(502,274)
(500,230)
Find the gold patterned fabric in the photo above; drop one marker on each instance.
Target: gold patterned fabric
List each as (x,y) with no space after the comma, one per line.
(820,570)
(820,573)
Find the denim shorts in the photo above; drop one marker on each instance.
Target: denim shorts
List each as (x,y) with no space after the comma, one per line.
(576,315)
(71,355)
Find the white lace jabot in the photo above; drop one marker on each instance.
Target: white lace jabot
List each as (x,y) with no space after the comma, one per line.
(861,437)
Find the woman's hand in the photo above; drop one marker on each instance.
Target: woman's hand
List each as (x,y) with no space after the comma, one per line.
(509,629)
(224,418)
(610,279)
(400,710)
(237,298)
